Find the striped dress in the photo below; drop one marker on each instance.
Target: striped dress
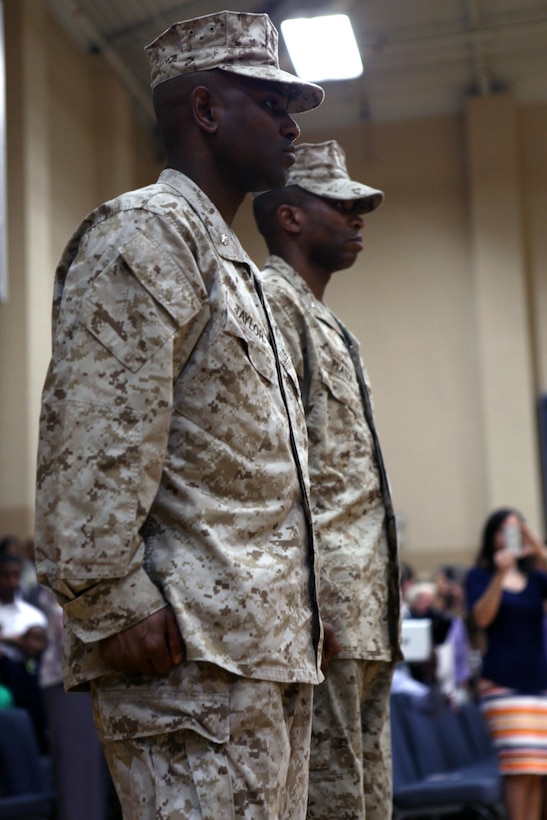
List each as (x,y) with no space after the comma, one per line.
(518,727)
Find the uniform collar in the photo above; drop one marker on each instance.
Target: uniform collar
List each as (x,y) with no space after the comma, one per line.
(317,307)
(278,264)
(222,236)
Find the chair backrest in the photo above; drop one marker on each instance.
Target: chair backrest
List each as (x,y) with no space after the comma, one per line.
(428,779)
(22,770)
(422,737)
(457,751)
(474,726)
(404,767)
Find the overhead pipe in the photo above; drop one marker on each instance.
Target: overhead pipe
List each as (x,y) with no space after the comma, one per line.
(482,75)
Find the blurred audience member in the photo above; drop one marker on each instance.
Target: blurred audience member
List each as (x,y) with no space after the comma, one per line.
(426,698)
(449,593)
(20,622)
(80,772)
(448,668)
(29,579)
(10,545)
(407,579)
(24,550)
(6,698)
(506,595)
(23,639)
(420,599)
(454,655)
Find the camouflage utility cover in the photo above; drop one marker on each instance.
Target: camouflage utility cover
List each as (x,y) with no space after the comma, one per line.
(320,168)
(165,472)
(359,571)
(237,42)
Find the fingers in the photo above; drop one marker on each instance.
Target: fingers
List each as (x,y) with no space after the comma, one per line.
(112,653)
(175,642)
(530,537)
(331,645)
(157,650)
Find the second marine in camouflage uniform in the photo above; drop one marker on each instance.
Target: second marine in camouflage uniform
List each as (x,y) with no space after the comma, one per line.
(353,515)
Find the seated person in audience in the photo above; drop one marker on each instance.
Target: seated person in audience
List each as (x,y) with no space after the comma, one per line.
(23,638)
(454,654)
(424,697)
(420,599)
(80,772)
(22,625)
(24,550)
(10,545)
(407,579)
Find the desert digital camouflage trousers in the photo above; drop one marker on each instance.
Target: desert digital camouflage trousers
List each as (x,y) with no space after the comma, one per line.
(350,766)
(204,744)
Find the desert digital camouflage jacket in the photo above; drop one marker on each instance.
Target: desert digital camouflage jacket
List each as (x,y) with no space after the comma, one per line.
(359,586)
(165,468)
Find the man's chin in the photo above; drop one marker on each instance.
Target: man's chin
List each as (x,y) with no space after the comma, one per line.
(277,181)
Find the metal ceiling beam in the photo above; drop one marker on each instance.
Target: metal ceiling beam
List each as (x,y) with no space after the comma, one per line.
(482,75)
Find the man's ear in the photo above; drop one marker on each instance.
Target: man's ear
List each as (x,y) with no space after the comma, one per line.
(202,101)
(290,218)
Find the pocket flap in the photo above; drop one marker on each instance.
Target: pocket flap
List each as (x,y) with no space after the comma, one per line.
(143,712)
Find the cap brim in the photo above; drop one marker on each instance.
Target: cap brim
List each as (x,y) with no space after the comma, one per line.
(343,189)
(303,96)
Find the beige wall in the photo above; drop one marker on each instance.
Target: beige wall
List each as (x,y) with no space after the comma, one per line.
(449,297)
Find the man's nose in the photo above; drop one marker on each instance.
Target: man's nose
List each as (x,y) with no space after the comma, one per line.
(290,128)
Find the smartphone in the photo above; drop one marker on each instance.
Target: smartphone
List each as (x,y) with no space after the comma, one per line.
(513,539)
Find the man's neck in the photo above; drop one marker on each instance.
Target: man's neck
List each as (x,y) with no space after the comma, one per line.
(225,199)
(315,278)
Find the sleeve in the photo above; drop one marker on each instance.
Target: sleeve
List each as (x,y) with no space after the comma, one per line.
(133,303)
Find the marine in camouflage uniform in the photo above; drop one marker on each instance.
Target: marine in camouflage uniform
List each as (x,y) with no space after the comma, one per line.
(173,520)
(312,228)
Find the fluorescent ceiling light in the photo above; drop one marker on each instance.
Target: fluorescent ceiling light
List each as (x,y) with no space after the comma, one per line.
(322,48)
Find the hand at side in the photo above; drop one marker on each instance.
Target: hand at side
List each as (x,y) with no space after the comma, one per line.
(151,646)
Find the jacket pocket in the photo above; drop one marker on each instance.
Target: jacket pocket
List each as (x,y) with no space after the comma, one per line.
(157,708)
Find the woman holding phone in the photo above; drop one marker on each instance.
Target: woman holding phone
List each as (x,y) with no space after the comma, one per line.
(505,593)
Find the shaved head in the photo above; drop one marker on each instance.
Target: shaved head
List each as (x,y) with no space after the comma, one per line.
(173,104)
(265,209)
